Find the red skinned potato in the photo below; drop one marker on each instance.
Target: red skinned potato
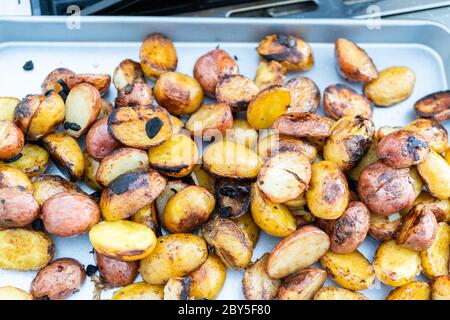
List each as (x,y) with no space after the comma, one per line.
(237,91)
(434,106)
(100,81)
(99,142)
(116,273)
(18,207)
(11,140)
(136,94)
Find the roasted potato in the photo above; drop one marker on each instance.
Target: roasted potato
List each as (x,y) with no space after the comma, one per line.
(303,125)
(384,131)
(248,225)
(24,250)
(434,106)
(90,171)
(368,158)
(231,244)
(213,66)
(178,288)
(274,143)
(158,55)
(106,108)
(435,259)
(340,100)
(236,90)
(210,120)
(202,178)
(99,142)
(256,283)
(123,240)
(25,110)
(440,288)
(11,140)
(384,228)
(99,81)
(128,72)
(33,160)
(58,280)
(11,177)
(179,93)
(396,265)
(292,52)
(297,251)
(354,63)
(57,81)
(267,106)
(7,107)
(66,153)
(440,208)
(435,134)
(435,172)
(116,273)
(305,95)
(175,255)
(241,132)
(392,86)
(140,127)
(140,291)
(269,73)
(44,186)
(335,293)
(148,216)
(302,285)
(415,290)
(18,208)
(137,94)
(171,188)
(208,279)
(12,293)
(328,194)
(232,197)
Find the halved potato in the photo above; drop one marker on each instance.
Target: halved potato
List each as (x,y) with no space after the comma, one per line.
(158,55)
(304,125)
(384,229)
(415,290)
(177,288)
(435,172)
(267,106)
(233,197)
(18,208)
(434,132)
(237,91)
(57,81)
(140,291)
(7,107)
(45,186)
(440,288)
(12,293)
(305,95)
(302,285)
(140,127)
(248,225)
(269,73)
(434,106)
(99,142)
(435,260)
(297,251)
(47,117)
(99,81)
(128,72)
(440,208)
(123,240)
(11,177)
(90,171)
(335,293)
(171,188)
(66,153)
(241,132)
(256,283)
(274,143)
(24,111)
(33,160)
(210,120)
(11,140)
(340,100)
(133,95)
(208,279)
(148,216)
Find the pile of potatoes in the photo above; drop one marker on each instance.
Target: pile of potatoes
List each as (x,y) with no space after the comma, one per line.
(181,214)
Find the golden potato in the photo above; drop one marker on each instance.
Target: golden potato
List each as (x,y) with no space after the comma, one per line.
(171,188)
(7,107)
(256,283)
(274,143)
(435,133)
(116,273)
(434,106)
(201,178)
(335,293)
(12,293)
(134,95)
(158,55)
(384,228)
(435,172)
(242,133)
(302,285)
(237,91)
(248,225)
(208,279)
(140,291)
(177,124)
(57,81)
(269,73)
(128,72)
(440,288)
(12,177)
(47,117)
(305,95)
(33,160)
(232,197)
(415,290)
(340,100)
(148,216)
(90,171)
(100,81)
(304,125)
(44,186)
(210,120)
(435,259)
(11,141)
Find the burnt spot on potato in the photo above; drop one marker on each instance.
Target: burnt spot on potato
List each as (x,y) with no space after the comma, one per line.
(123,182)
(153,126)
(233,197)
(71,126)
(434,106)
(340,100)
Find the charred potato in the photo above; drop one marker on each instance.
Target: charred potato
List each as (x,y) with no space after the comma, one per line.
(137,94)
(440,208)
(269,73)
(384,228)
(148,216)
(25,110)
(305,95)
(241,132)
(440,288)
(435,134)
(140,291)
(302,285)
(12,293)
(116,273)
(33,160)
(11,177)
(18,208)
(128,72)
(44,186)
(415,290)
(210,120)
(99,142)
(233,197)
(158,55)
(178,288)
(100,81)
(57,81)
(303,125)
(272,144)
(340,100)
(7,107)
(335,293)
(256,283)
(11,140)
(236,90)
(435,259)
(434,106)
(208,279)
(435,172)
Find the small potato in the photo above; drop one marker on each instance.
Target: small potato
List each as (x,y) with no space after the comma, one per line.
(171,188)
(24,250)
(435,172)
(213,66)
(233,198)
(297,251)
(90,171)
(241,132)
(116,273)
(7,107)
(66,153)
(335,293)
(106,108)
(59,280)
(231,244)
(272,144)
(69,214)
(210,120)
(128,72)
(82,108)
(275,219)
(231,160)
(188,209)
(201,178)
(140,291)
(158,55)
(33,160)
(302,285)
(137,94)
(57,81)
(351,270)
(25,110)
(119,162)
(177,288)
(328,194)
(284,177)
(175,255)
(435,260)
(434,106)
(303,125)
(403,149)
(435,134)
(148,216)
(11,140)
(18,207)
(237,91)
(383,228)
(440,208)
(140,127)
(44,186)
(208,279)
(354,63)
(123,240)
(419,228)
(179,93)
(12,293)
(248,225)
(11,177)
(99,81)
(340,100)
(396,265)
(292,52)
(385,190)
(393,85)
(129,193)
(99,142)
(440,288)
(256,283)
(415,290)
(267,106)
(305,95)
(269,73)
(175,157)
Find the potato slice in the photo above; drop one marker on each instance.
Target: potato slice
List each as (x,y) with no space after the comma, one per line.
(340,100)
(46,185)
(203,179)
(434,106)
(267,106)
(274,143)
(233,197)
(175,157)
(415,290)
(435,260)
(440,288)
(354,63)
(269,73)
(24,250)
(302,285)
(12,293)
(303,125)
(210,120)
(99,81)
(11,140)
(305,95)
(351,270)
(284,177)
(33,160)
(136,94)
(435,133)
(119,162)
(128,72)
(396,265)
(335,293)
(177,288)
(158,55)
(248,225)
(7,107)
(230,160)
(297,251)
(140,291)
(435,172)
(66,153)
(208,279)
(237,91)
(140,127)
(256,283)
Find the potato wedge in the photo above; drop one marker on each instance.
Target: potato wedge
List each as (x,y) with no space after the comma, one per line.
(440,288)
(274,143)
(241,132)
(237,91)
(128,72)
(7,107)
(384,228)
(11,177)
(340,100)
(256,283)
(99,81)
(305,95)
(140,291)
(210,120)
(434,106)
(177,288)
(435,260)
(116,273)
(248,225)
(335,293)
(57,81)
(208,279)
(158,55)
(435,172)
(435,133)
(134,95)
(269,73)
(18,207)
(415,290)
(303,125)
(233,198)
(302,285)
(11,140)
(12,293)
(33,160)
(44,186)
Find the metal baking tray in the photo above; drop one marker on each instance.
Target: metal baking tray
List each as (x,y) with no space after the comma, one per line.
(102,42)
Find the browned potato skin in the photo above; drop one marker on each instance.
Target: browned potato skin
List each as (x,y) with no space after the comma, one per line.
(270,73)
(434,106)
(294,287)
(256,283)
(54,184)
(136,94)
(25,110)
(340,100)
(232,197)
(99,142)
(385,190)
(18,208)
(100,81)
(69,214)
(382,229)
(211,67)
(305,95)
(126,73)
(11,140)
(303,125)
(116,273)
(51,81)
(419,228)
(158,55)
(58,280)
(236,90)
(402,149)
(223,120)
(434,132)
